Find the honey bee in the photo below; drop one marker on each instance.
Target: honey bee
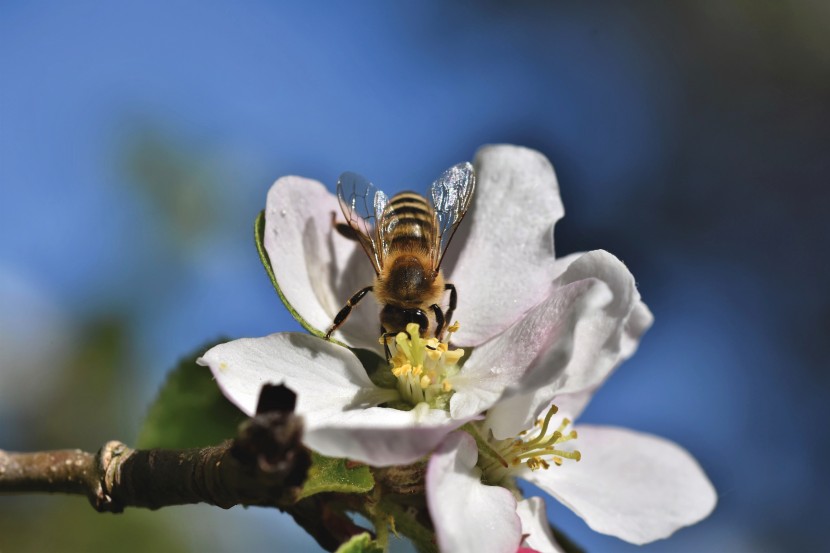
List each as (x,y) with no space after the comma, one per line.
(405,238)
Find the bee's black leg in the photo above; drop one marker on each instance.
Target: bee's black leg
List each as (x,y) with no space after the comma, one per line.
(453,301)
(340,317)
(345,230)
(439,320)
(386,335)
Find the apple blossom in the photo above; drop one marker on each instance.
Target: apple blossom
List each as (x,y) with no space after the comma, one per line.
(534,329)
(533,311)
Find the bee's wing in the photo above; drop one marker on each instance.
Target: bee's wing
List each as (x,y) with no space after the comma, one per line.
(451,195)
(362,205)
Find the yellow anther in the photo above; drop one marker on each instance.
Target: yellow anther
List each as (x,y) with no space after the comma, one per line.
(454,327)
(452,357)
(422,366)
(402,370)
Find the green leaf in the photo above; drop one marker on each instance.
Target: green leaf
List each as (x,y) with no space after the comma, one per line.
(361,543)
(190,410)
(335,475)
(259,238)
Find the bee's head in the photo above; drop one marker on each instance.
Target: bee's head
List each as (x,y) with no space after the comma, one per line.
(395,319)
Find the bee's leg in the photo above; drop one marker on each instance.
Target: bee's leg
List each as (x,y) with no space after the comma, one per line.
(340,317)
(453,301)
(439,320)
(345,230)
(385,336)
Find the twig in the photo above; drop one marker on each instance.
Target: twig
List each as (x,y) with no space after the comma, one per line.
(265,465)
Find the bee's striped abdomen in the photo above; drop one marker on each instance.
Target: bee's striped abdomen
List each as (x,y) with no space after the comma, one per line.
(411,222)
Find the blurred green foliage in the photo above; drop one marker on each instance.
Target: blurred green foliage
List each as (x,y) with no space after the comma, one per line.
(362,543)
(182,184)
(91,405)
(190,410)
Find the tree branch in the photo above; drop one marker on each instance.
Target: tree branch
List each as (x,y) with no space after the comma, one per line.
(118,477)
(66,471)
(265,465)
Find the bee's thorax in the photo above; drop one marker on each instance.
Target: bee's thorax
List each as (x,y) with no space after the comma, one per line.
(408,280)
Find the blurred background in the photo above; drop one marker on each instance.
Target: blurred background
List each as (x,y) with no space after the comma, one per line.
(137,144)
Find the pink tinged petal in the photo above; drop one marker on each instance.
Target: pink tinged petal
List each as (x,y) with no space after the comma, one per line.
(572,405)
(506,259)
(334,396)
(583,359)
(631,485)
(468,516)
(316,268)
(535,528)
(502,362)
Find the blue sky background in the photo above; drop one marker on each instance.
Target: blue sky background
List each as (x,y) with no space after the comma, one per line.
(137,143)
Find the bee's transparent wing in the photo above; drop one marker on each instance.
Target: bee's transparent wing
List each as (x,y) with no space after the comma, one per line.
(451,195)
(362,205)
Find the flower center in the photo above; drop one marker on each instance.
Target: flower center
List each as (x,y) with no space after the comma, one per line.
(424,367)
(537,448)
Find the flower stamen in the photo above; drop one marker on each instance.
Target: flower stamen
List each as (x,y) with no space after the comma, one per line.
(536,448)
(424,367)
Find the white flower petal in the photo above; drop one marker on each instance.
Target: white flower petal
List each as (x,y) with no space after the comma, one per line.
(503,361)
(635,486)
(562,263)
(316,268)
(468,516)
(327,378)
(380,436)
(572,405)
(638,322)
(535,526)
(334,396)
(581,360)
(505,262)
